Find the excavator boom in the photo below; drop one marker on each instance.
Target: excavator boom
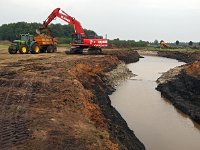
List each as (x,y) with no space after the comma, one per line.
(67,18)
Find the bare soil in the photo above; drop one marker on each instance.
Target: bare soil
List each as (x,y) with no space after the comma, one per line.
(187,57)
(59,101)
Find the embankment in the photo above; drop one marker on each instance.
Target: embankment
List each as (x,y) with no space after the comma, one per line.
(187,57)
(181,86)
(127,56)
(60,101)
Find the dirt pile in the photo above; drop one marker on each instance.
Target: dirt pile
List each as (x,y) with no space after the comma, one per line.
(187,57)
(61,102)
(181,86)
(128,56)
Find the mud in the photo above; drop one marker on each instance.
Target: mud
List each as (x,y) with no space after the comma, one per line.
(61,102)
(181,86)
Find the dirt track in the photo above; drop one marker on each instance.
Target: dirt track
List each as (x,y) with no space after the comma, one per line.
(59,101)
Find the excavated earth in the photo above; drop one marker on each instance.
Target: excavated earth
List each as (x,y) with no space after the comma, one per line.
(181,85)
(59,101)
(187,57)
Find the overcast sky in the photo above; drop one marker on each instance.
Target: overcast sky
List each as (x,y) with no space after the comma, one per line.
(169,20)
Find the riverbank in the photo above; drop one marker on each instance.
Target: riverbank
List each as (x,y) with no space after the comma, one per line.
(58,101)
(183,56)
(181,86)
(149,114)
(187,57)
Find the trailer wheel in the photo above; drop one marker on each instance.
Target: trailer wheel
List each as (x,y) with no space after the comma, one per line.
(35,49)
(54,48)
(50,49)
(11,50)
(43,49)
(23,49)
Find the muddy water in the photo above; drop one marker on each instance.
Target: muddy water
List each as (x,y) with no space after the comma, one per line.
(154,120)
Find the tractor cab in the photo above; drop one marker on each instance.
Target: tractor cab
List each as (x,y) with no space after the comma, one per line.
(24,39)
(27,38)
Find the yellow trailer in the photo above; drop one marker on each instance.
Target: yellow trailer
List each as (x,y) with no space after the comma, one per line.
(46,44)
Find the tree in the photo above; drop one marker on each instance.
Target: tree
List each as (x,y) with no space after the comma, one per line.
(156,42)
(190,43)
(177,42)
(90,32)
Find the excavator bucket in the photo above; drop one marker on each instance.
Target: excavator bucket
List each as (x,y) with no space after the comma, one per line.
(44,30)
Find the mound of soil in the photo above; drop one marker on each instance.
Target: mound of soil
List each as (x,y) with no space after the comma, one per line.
(128,56)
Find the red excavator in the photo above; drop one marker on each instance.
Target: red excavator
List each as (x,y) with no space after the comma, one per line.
(79,39)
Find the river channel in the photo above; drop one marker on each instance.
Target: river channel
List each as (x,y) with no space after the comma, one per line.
(153,119)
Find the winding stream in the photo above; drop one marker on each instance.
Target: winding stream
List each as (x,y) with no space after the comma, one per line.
(154,120)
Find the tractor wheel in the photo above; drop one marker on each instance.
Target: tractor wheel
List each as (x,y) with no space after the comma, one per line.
(35,49)
(11,50)
(50,49)
(23,49)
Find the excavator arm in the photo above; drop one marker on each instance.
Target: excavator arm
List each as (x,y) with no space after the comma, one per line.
(67,18)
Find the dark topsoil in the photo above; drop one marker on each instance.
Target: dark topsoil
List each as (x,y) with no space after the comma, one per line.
(187,57)
(183,88)
(58,101)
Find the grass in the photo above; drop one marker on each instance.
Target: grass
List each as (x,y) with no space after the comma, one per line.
(3,46)
(64,45)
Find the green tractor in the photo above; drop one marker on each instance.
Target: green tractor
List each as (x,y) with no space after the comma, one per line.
(24,45)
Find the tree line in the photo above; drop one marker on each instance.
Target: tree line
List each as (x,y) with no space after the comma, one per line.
(117,43)
(12,31)
(177,43)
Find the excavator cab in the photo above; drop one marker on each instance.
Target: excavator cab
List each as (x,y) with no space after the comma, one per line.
(77,38)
